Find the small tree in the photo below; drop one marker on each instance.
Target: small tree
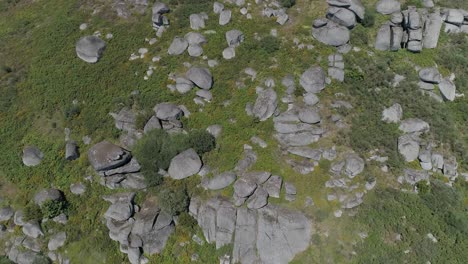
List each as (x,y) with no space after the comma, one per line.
(201,141)
(174,199)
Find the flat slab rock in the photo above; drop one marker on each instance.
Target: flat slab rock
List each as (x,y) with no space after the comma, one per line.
(269,235)
(105,156)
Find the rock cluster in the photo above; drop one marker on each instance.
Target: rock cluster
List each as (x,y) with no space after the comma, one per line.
(456,20)
(192,42)
(265,105)
(234,38)
(138,231)
(342,15)
(413,29)
(158,18)
(117,167)
(430,77)
(277,12)
(267,235)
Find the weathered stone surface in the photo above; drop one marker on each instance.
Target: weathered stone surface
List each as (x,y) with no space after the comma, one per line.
(48,195)
(432,30)
(6,213)
(225,224)
(244,187)
(167,111)
(414,176)
(197,21)
(201,77)
(383,40)
(388,7)
(178,46)
(245,238)
(408,146)
(297,139)
(266,104)
(153,123)
(259,199)
(412,125)
(229,53)
(313,80)
(330,33)
(217,7)
(225,17)
(57,241)
(32,229)
(160,8)
(273,186)
(430,75)
(354,166)
(311,99)
(455,17)
(195,50)
(342,16)
(309,116)
(119,211)
(195,38)
(77,188)
(234,37)
(259,177)
(281,234)
(90,48)
(105,156)
(219,181)
(306,152)
(447,89)
(354,5)
(32,156)
(185,164)
(392,114)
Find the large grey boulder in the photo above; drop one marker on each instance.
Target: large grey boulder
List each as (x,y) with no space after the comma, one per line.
(178,46)
(330,33)
(354,165)
(342,16)
(259,177)
(266,104)
(258,199)
(48,195)
(244,250)
(105,156)
(412,125)
(167,111)
(408,147)
(32,156)
(195,50)
(183,85)
(244,187)
(430,75)
(309,116)
(387,7)
(225,17)
(119,211)
(447,89)
(354,5)
(273,186)
(71,150)
(432,30)
(57,241)
(6,213)
(217,7)
(281,234)
(153,123)
(32,229)
(185,164)
(383,40)
(313,80)
(219,181)
(234,37)
(125,119)
(225,224)
(195,38)
(90,48)
(201,77)
(392,114)
(197,21)
(160,8)
(455,17)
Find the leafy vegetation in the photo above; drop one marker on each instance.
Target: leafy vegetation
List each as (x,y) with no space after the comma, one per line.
(174,200)
(53,208)
(288,3)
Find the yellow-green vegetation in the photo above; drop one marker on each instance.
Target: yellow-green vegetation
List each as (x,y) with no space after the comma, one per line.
(40,77)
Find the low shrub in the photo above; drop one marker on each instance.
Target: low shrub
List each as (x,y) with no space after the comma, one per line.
(270,44)
(53,208)
(288,3)
(174,199)
(32,212)
(369,18)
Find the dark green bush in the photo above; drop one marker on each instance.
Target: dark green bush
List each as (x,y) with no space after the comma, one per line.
(53,208)
(32,212)
(5,260)
(41,259)
(174,199)
(369,18)
(201,141)
(288,3)
(270,44)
